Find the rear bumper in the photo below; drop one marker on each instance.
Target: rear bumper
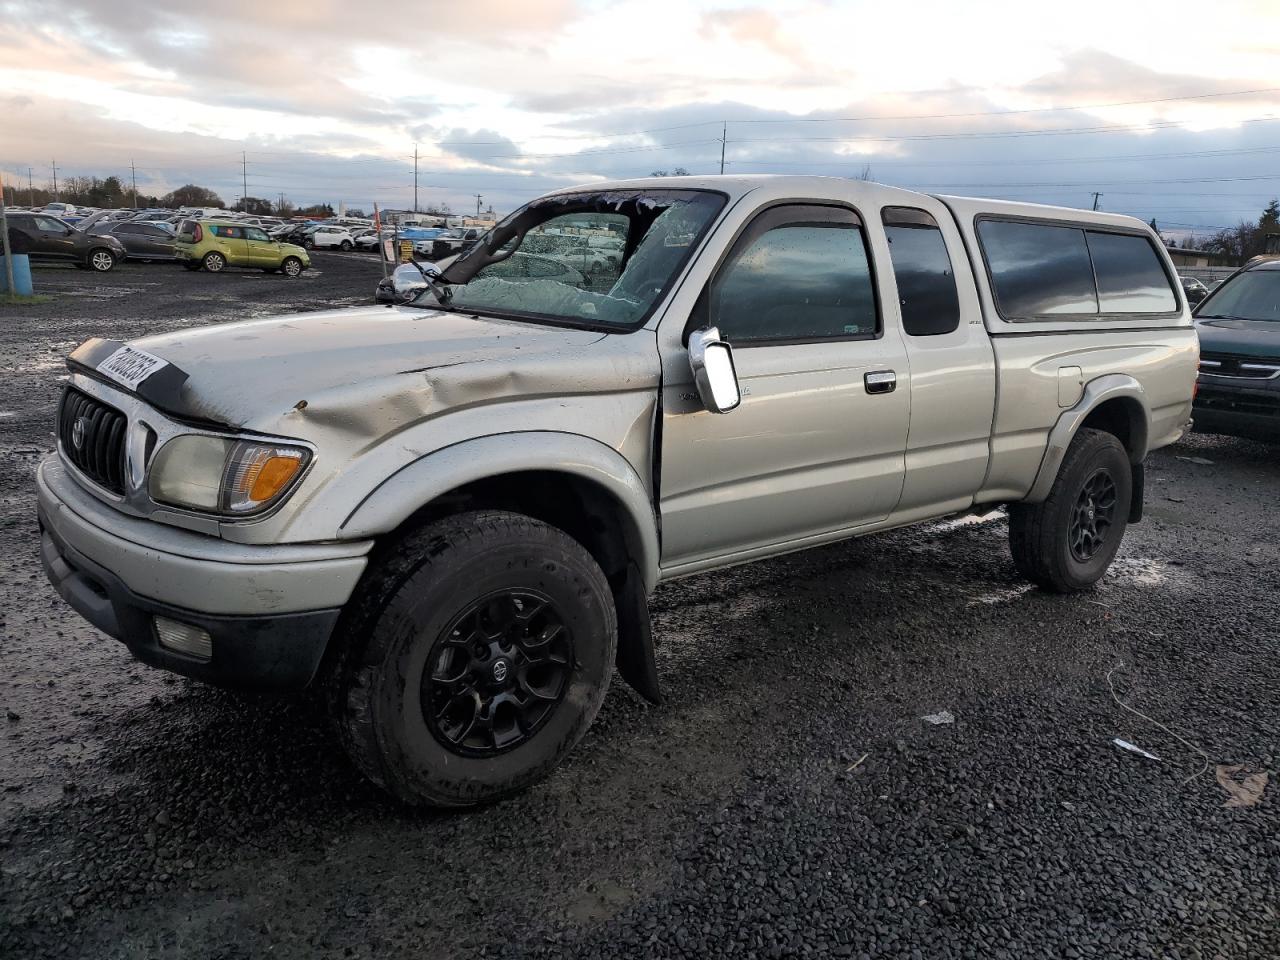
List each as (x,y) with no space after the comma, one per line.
(269,610)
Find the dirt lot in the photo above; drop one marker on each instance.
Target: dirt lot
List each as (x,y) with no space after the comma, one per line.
(787,800)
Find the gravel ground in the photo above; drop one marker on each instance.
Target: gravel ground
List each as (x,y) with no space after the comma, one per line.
(787,800)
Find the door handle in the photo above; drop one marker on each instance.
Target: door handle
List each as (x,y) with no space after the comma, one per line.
(880,381)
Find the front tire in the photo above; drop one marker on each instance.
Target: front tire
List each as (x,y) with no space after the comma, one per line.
(1066,543)
(473,658)
(346,246)
(291,267)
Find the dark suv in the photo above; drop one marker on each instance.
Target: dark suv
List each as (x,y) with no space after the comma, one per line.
(47,238)
(1239,328)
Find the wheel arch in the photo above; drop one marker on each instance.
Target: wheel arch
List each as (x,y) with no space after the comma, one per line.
(1114,403)
(575,483)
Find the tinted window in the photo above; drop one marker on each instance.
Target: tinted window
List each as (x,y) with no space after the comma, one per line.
(51,225)
(1038,269)
(128,228)
(922,267)
(1130,276)
(797,281)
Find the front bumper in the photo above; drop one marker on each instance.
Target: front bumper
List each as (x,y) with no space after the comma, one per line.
(1238,407)
(269,610)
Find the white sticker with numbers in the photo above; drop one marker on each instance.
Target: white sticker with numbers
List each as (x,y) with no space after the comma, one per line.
(130,366)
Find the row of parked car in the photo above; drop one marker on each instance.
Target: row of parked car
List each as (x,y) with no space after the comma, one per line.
(98,240)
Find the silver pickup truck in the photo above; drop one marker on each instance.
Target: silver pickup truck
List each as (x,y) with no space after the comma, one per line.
(449,512)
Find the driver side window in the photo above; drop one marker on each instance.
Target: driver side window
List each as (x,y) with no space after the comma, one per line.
(797,274)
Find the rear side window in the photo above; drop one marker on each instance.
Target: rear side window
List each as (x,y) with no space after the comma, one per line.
(922,267)
(1041,269)
(1038,269)
(797,274)
(1130,277)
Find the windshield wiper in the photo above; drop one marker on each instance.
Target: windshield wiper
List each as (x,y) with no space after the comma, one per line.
(440,291)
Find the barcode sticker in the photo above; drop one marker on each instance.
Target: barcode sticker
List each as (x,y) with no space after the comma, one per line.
(130,366)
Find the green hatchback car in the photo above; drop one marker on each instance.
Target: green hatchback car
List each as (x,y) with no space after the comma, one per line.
(215,245)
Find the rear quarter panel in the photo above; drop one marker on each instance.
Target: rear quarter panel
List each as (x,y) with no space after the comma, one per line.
(1029,402)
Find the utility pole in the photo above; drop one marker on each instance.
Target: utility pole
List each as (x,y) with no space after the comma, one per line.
(415,178)
(244,180)
(31,190)
(478,199)
(724,135)
(55,180)
(133,172)
(1096,195)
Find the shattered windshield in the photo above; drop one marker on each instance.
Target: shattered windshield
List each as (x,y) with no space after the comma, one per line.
(596,259)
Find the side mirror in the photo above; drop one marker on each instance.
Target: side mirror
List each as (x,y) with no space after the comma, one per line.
(711,360)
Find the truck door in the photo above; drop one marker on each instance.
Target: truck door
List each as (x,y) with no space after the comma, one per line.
(950,354)
(818,442)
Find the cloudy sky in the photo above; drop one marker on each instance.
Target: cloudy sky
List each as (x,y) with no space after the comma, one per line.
(1168,109)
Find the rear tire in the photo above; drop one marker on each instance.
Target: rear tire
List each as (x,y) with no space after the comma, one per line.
(1066,543)
(101,260)
(214,262)
(473,658)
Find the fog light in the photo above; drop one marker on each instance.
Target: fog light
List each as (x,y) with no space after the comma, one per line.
(184,638)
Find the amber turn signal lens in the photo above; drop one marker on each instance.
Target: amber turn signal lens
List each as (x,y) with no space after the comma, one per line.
(274,477)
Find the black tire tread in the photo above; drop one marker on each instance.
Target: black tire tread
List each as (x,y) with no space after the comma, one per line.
(361,649)
(1033,534)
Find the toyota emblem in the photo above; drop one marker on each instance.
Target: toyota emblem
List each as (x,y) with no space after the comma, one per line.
(77,432)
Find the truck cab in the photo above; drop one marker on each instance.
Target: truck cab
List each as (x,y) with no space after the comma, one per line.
(451,511)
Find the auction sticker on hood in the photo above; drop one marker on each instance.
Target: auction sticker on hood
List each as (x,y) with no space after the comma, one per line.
(129,366)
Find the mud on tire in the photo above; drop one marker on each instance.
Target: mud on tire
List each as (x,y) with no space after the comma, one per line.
(1066,543)
(418,651)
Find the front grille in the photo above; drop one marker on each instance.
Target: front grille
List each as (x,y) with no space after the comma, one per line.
(1237,402)
(100,430)
(1239,367)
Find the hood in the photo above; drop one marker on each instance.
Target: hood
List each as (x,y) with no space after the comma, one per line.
(367,370)
(1250,338)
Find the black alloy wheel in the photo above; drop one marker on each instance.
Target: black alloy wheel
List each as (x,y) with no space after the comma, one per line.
(1093,515)
(497,673)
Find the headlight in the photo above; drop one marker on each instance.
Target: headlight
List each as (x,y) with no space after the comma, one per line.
(221,475)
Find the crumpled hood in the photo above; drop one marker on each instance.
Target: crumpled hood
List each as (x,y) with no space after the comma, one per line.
(367,370)
(1252,338)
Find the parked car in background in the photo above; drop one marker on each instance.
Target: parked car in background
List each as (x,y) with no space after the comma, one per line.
(46,238)
(368,239)
(1194,289)
(1239,329)
(58,209)
(141,240)
(330,237)
(291,233)
(214,245)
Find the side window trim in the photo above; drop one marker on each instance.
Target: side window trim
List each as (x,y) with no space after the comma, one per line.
(780,214)
(1084,227)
